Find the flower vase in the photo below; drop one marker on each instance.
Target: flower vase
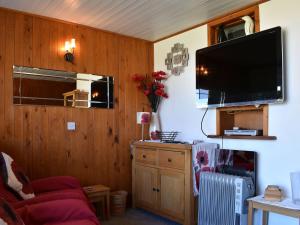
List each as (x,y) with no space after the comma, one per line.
(154,126)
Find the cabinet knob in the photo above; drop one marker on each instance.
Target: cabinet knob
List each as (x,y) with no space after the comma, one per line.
(169,160)
(154,189)
(144,156)
(157,190)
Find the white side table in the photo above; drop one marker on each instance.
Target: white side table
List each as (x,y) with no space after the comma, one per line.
(285,207)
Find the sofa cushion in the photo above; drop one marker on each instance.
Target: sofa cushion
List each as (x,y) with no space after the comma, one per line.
(15,178)
(63,210)
(54,195)
(8,215)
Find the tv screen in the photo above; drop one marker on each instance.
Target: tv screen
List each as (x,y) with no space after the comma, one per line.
(243,71)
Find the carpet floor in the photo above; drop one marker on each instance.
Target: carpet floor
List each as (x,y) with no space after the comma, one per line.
(138,217)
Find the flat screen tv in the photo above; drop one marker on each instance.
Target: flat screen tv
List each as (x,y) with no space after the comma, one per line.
(242,71)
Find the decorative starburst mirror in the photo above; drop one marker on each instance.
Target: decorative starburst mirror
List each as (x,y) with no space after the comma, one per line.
(177,59)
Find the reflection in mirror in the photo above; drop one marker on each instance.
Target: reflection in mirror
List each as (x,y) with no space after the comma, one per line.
(36,86)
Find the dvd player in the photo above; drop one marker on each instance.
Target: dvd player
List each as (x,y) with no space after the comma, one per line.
(243,132)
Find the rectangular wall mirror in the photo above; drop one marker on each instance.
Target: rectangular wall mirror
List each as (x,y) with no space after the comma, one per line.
(36,86)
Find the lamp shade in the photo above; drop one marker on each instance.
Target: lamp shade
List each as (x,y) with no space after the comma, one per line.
(143,117)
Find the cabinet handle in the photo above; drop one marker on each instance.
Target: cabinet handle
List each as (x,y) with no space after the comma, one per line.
(144,156)
(154,189)
(157,190)
(169,160)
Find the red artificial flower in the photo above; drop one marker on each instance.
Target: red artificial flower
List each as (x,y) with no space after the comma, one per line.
(138,77)
(159,85)
(159,92)
(152,87)
(147,92)
(165,95)
(160,75)
(154,74)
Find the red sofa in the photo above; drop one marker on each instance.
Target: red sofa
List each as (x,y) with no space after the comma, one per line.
(58,201)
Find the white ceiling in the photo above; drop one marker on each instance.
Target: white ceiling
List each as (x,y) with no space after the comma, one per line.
(146,19)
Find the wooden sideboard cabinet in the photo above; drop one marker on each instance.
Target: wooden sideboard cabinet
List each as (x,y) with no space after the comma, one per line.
(162,180)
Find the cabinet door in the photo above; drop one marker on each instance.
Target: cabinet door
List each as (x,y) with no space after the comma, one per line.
(171,193)
(146,186)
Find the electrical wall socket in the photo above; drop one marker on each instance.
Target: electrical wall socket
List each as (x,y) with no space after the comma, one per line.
(71,125)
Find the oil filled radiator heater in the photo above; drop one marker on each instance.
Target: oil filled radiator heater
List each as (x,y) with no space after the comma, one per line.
(223,199)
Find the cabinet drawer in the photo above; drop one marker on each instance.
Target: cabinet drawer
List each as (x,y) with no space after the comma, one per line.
(171,159)
(145,155)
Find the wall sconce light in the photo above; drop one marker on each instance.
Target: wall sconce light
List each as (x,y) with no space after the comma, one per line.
(69,48)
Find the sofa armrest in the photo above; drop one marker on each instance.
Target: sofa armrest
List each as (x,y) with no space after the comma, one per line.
(56,211)
(55,183)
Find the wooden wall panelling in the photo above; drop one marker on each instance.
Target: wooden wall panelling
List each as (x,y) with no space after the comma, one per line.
(19,39)
(82,59)
(40,149)
(53,45)
(114,150)
(107,57)
(44,35)
(126,47)
(101,158)
(8,87)
(18,111)
(36,136)
(117,129)
(55,142)
(67,153)
(120,129)
(22,55)
(37,41)
(131,61)
(28,41)
(2,77)
(60,63)
(81,147)
(27,143)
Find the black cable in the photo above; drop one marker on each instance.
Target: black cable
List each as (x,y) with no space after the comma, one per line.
(202,122)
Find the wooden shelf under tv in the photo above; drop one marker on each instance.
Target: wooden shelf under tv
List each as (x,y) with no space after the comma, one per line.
(243,137)
(247,117)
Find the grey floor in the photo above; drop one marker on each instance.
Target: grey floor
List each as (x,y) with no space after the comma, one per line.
(137,217)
